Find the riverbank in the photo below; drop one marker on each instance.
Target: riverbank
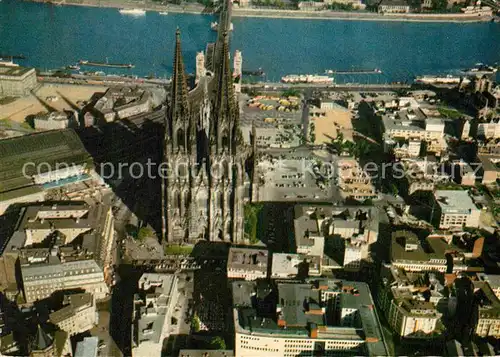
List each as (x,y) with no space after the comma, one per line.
(360,16)
(275,13)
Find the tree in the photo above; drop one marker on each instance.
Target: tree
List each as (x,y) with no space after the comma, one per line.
(394,190)
(439,5)
(145,232)
(195,323)
(218,343)
(292,92)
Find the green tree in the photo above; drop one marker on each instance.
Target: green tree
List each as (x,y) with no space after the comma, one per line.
(195,323)
(439,5)
(394,189)
(291,93)
(218,343)
(145,232)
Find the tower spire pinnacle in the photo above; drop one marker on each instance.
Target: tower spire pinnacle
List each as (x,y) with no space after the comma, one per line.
(179,101)
(225,92)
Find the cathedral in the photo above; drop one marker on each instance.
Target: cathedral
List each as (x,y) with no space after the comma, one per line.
(203,188)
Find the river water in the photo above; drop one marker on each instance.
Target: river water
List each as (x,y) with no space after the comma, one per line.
(56,36)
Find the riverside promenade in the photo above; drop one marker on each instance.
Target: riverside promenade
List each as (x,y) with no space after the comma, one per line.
(276,13)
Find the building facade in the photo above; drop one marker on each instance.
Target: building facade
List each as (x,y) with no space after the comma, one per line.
(300,327)
(247,263)
(151,317)
(204,154)
(16,81)
(78,314)
(456,209)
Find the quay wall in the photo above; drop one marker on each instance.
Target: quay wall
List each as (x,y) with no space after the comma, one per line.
(276,13)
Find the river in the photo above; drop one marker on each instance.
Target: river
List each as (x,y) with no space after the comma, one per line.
(56,36)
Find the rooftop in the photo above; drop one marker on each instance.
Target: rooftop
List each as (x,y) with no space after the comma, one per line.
(84,221)
(428,251)
(247,259)
(286,264)
(13,71)
(150,306)
(206,353)
(489,305)
(88,347)
(49,148)
(294,309)
(72,304)
(454,201)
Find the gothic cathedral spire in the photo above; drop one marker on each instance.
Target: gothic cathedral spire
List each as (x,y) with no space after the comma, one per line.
(225,108)
(179,115)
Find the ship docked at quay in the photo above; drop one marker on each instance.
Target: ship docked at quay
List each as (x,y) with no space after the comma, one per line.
(449,79)
(307,78)
(105,64)
(134,12)
(480,69)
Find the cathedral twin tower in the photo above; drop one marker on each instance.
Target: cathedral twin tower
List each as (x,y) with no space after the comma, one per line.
(204,186)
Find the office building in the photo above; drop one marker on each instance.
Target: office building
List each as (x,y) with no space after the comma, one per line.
(414,306)
(16,81)
(488,323)
(77,315)
(151,317)
(353,181)
(290,266)
(455,209)
(492,280)
(247,263)
(408,253)
(89,347)
(319,317)
(56,120)
(123,102)
(60,246)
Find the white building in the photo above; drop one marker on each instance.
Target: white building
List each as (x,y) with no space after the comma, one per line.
(247,263)
(16,81)
(55,120)
(413,318)
(285,265)
(489,129)
(408,311)
(456,209)
(153,308)
(41,280)
(393,6)
(89,347)
(355,251)
(78,314)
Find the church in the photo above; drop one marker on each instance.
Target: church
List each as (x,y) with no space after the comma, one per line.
(205,159)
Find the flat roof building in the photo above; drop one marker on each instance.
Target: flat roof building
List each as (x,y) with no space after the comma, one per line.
(325,317)
(88,347)
(430,254)
(77,315)
(456,209)
(62,246)
(413,305)
(153,307)
(247,263)
(29,164)
(16,81)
